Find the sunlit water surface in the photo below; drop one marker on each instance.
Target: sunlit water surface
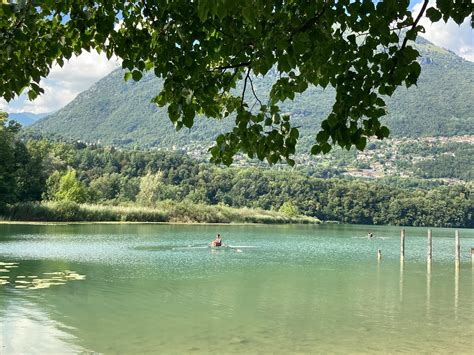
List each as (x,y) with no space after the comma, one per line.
(286,289)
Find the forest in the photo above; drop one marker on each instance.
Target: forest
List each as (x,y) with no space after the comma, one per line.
(39,173)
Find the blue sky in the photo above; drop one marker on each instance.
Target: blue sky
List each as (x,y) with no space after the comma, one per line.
(63,84)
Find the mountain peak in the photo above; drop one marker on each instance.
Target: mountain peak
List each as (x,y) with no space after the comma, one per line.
(121,113)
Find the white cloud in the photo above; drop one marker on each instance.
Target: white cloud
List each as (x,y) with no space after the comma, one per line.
(81,72)
(64,83)
(450,35)
(3,105)
(56,95)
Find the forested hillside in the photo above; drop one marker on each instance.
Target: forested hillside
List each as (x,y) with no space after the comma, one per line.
(114,112)
(147,185)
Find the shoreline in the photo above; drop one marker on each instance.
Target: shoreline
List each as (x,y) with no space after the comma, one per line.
(321,223)
(53,223)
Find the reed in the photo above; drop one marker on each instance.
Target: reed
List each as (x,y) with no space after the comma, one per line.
(167,211)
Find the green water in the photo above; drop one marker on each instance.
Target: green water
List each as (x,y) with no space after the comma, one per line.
(307,289)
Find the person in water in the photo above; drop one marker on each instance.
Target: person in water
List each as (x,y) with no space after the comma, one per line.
(217,242)
(370,235)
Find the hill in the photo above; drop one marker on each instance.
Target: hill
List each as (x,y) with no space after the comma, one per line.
(120,113)
(26,118)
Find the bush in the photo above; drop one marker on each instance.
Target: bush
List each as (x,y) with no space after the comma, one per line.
(67,211)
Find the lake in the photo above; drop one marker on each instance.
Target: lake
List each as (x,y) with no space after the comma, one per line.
(147,288)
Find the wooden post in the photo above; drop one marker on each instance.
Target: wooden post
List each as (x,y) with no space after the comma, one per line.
(472,255)
(402,245)
(458,247)
(430,247)
(379,255)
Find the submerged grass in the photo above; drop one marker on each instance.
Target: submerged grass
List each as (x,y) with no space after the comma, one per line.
(173,212)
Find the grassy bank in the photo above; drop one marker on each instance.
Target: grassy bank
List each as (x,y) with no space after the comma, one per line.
(164,212)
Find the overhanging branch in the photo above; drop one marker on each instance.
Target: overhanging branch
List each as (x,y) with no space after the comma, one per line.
(418,18)
(245,86)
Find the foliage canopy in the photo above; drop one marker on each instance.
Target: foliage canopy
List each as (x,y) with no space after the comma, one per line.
(203,48)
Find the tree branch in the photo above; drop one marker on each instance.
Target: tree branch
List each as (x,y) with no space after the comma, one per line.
(233,66)
(311,22)
(245,86)
(418,18)
(253,91)
(26,9)
(405,40)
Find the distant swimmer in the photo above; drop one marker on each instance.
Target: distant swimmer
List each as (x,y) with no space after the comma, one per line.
(217,242)
(370,235)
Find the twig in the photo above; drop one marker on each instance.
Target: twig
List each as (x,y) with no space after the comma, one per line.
(311,22)
(418,18)
(245,86)
(253,91)
(233,66)
(26,9)
(359,34)
(405,40)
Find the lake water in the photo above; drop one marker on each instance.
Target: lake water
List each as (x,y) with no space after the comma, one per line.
(307,289)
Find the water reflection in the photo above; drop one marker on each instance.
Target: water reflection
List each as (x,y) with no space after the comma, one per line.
(428,288)
(456,289)
(26,329)
(402,269)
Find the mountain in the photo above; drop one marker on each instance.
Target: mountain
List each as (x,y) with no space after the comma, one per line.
(26,118)
(120,113)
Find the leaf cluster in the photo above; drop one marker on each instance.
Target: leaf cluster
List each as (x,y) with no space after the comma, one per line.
(203,48)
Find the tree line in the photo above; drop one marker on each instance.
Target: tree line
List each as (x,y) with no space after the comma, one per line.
(42,170)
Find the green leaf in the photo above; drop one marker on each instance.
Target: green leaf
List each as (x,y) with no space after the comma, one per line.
(361,143)
(383,132)
(136,75)
(127,76)
(444,6)
(203,9)
(433,14)
(325,148)
(315,149)
(32,95)
(322,137)
(189,114)
(173,111)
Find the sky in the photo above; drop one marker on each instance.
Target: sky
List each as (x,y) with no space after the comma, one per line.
(79,73)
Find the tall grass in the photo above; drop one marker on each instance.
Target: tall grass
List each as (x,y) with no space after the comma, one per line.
(175,212)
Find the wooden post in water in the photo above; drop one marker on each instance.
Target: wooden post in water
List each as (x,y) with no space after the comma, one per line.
(472,255)
(458,248)
(430,247)
(379,255)
(402,245)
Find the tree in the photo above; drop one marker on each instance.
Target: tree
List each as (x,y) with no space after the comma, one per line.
(21,176)
(289,209)
(8,131)
(69,188)
(105,187)
(151,186)
(204,48)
